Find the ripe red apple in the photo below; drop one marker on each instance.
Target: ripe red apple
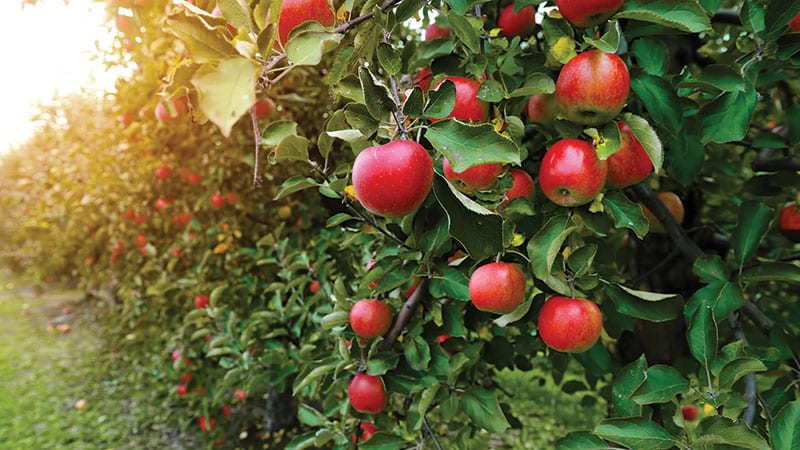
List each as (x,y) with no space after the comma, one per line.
(240,394)
(424,78)
(497,287)
(206,425)
(367,430)
(434,31)
(125,119)
(295,12)
(794,24)
(231,197)
(674,206)
(393,179)
(587,13)
(570,325)
(141,240)
(592,87)
(181,390)
(162,203)
(314,287)
(630,164)
(194,178)
(523,186)
(129,214)
(264,108)
(542,109)
(201,301)
(571,174)
(367,393)
(789,222)
(226,410)
(163,113)
(475,178)
(689,412)
(517,23)
(163,172)
(468,107)
(217,201)
(370,318)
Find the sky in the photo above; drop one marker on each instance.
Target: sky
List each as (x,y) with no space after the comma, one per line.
(46,51)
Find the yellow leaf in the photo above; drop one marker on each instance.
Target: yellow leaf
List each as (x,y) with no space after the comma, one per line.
(350,192)
(564,49)
(220,248)
(517,240)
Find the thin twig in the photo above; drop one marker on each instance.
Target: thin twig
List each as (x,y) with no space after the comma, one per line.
(404,316)
(257,135)
(431,434)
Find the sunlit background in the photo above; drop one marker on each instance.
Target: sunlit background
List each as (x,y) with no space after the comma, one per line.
(48,50)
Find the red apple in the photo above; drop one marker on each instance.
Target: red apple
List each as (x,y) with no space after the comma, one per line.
(141,240)
(129,214)
(424,78)
(789,222)
(475,178)
(542,109)
(124,24)
(571,174)
(201,301)
(523,186)
(194,178)
(125,119)
(264,108)
(162,203)
(370,318)
(143,3)
(367,393)
(393,179)
(468,107)
(630,164)
(181,390)
(689,412)
(206,425)
(314,287)
(177,251)
(163,172)
(231,197)
(367,430)
(240,394)
(674,206)
(570,325)
(587,13)
(217,201)
(295,12)
(164,114)
(497,287)
(517,23)
(794,24)
(592,87)
(434,31)
(226,410)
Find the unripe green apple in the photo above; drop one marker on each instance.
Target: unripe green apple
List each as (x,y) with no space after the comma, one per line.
(517,23)
(571,174)
(497,287)
(630,164)
(468,107)
(370,318)
(477,177)
(587,13)
(367,393)
(570,325)
(393,179)
(295,12)
(592,87)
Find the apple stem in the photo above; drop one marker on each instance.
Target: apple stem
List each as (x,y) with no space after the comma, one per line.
(404,316)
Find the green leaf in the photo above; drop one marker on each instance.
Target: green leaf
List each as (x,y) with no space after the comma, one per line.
(383,441)
(644,305)
(417,352)
(686,157)
(307,48)
(450,283)
(292,148)
(608,139)
(294,184)
(661,385)
(784,434)
(626,213)
(414,104)
(580,261)
(660,100)
(475,227)
(204,43)
(389,59)
(491,91)
(702,336)
(684,15)
(738,368)
(753,16)
(277,131)
(609,42)
(581,440)
(722,297)
(482,407)
(754,221)
(358,116)
(310,416)
(727,118)
(719,430)
(647,136)
(467,145)
(772,271)
(376,97)
(627,381)
(465,31)
(227,92)
(335,319)
(638,433)
(442,100)
(710,269)
(536,83)
(717,77)
(518,313)
(545,245)
(235,12)
(378,365)
(652,55)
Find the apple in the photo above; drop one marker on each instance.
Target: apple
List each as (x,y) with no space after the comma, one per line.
(125,119)
(542,109)
(143,3)
(481,176)
(226,411)
(201,301)
(194,178)
(393,179)
(570,325)
(434,31)
(163,172)
(789,222)
(240,394)
(206,425)
(141,240)
(517,23)
(217,201)
(295,12)
(630,164)
(181,390)
(284,212)
(674,206)
(177,251)
(129,214)
(497,287)
(571,174)
(367,393)
(367,430)
(424,78)
(164,114)
(162,203)
(587,13)
(264,108)
(231,197)
(468,107)
(370,318)
(522,187)
(314,287)
(689,412)
(124,24)
(592,87)
(794,24)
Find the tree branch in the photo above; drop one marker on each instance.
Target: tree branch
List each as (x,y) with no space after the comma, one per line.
(750,386)
(727,15)
(257,136)
(676,233)
(404,316)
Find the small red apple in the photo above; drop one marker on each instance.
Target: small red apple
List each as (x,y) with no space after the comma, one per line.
(194,178)
(497,287)
(141,240)
(424,78)
(794,24)
(164,114)
(129,214)
(434,31)
(367,430)
(517,23)
(201,301)
(175,355)
(630,164)
(570,325)
(523,186)
(177,251)
(367,393)
(231,197)
(264,108)
(689,412)
(314,287)
(475,178)
(674,206)
(206,425)
(587,13)
(468,107)
(163,172)
(295,12)
(542,109)
(370,318)
(240,394)
(181,390)
(217,201)
(162,203)
(571,174)
(125,119)
(592,87)
(393,179)
(789,222)
(226,410)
